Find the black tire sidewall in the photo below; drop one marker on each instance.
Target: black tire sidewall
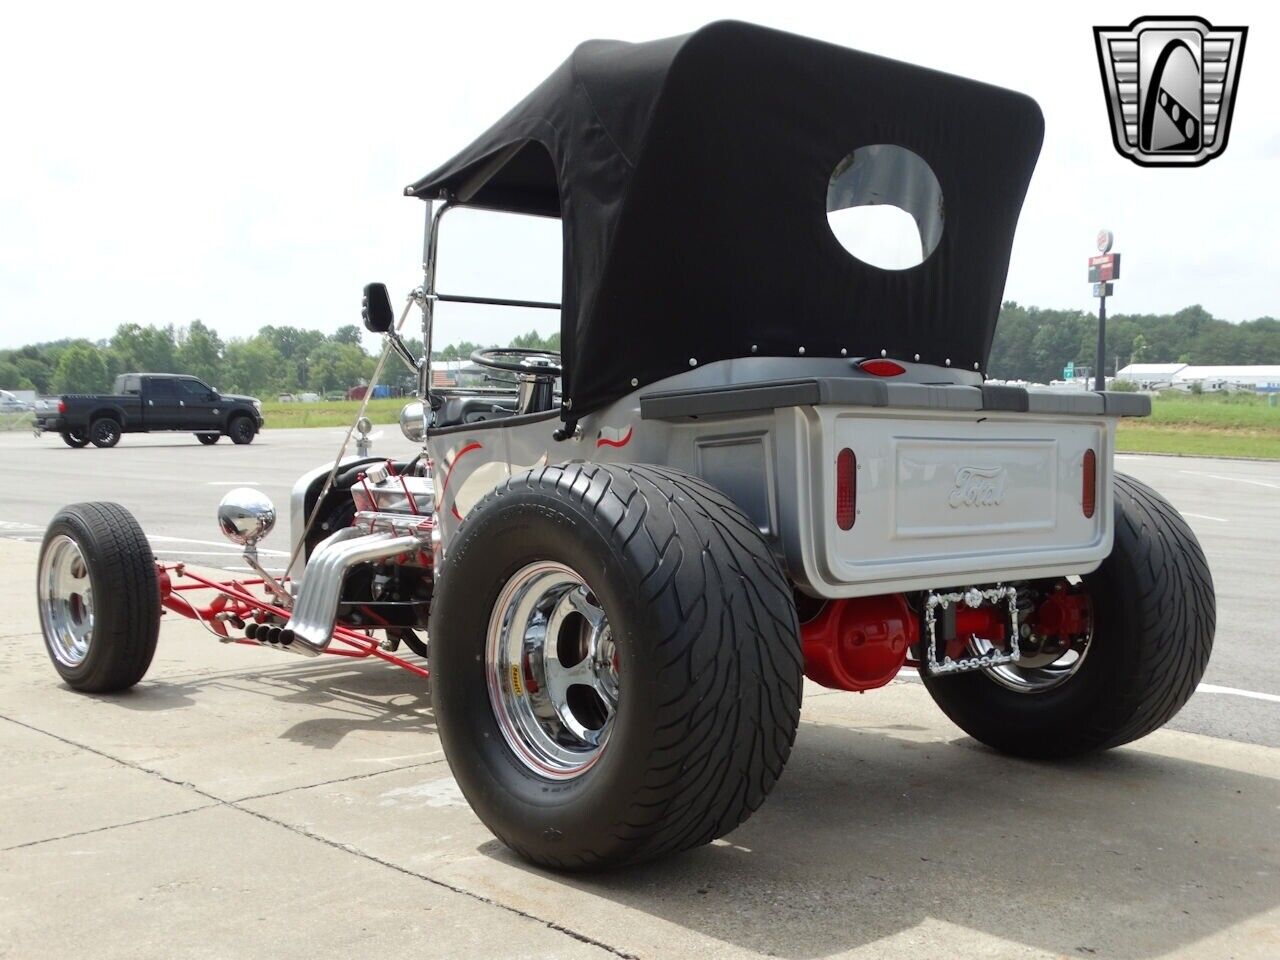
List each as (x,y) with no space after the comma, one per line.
(241,430)
(485,554)
(1046,723)
(110,606)
(208,439)
(1109,700)
(73,441)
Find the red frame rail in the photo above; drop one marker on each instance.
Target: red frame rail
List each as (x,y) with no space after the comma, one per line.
(234,598)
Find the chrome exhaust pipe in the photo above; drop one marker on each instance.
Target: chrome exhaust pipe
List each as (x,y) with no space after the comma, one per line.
(315,608)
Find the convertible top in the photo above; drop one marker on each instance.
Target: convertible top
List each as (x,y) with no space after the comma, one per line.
(691,175)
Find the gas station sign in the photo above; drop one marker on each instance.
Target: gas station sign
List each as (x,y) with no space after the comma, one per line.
(1105,268)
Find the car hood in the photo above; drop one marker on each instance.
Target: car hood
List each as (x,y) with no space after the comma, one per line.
(240,398)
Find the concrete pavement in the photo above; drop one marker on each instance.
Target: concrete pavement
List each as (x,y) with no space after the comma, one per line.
(244,802)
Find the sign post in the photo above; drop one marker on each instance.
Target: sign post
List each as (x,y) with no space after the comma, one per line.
(1103,269)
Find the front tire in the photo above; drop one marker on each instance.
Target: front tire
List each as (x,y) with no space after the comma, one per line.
(75,439)
(1153,623)
(98,597)
(208,439)
(104,432)
(685,658)
(241,430)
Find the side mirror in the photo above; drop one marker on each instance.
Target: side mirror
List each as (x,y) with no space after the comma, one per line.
(376,310)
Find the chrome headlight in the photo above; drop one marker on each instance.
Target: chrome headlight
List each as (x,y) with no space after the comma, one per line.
(413,423)
(245,516)
(257,405)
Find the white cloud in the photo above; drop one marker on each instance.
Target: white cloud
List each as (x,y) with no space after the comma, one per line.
(243,163)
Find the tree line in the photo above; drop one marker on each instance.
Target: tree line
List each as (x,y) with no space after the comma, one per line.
(1035,344)
(279,359)
(1031,343)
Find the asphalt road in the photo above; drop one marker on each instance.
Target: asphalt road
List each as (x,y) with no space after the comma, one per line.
(173,484)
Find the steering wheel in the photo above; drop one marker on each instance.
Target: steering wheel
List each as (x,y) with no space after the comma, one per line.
(540,363)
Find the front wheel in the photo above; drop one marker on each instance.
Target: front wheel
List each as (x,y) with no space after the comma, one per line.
(616,664)
(98,597)
(241,431)
(208,439)
(74,438)
(1153,616)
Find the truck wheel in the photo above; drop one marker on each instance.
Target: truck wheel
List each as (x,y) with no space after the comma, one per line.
(104,432)
(241,430)
(616,667)
(74,438)
(98,597)
(1153,614)
(208,439)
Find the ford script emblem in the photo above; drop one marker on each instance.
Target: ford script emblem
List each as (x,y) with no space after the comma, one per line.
(977,487)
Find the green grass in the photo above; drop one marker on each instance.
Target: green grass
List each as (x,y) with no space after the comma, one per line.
(16,421)
(330,413)
(1235,411)
(1206,425)
(1210,425)
(1138,437)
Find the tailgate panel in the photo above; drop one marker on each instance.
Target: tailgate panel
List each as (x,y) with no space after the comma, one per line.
(947,499)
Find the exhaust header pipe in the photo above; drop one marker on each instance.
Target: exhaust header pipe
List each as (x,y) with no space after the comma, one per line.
(316,606)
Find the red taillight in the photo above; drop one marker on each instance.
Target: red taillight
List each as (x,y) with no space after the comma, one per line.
(882,368)
(62,406)
(1089,484)
(846,489)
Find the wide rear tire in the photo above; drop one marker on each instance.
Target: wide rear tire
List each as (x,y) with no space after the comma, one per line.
(75,439)
(1153,623)
(98,597)
(703,651)
(208,439)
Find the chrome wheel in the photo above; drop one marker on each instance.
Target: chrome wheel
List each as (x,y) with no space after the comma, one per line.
(66,601)
(552,670)
(1035,672)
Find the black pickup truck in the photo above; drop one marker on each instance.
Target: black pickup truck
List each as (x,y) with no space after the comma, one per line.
(144,402)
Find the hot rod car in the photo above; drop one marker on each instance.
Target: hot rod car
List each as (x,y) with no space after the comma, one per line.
(760,458)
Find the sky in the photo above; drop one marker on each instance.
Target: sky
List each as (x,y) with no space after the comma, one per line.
(244,163)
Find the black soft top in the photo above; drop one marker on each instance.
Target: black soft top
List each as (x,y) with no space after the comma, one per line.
(691,176)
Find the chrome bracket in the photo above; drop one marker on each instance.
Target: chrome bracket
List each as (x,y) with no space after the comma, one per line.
(274,586)
(973,598)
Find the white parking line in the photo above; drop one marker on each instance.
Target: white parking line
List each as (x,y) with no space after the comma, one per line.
(1202,688)
(209,543)
(1205,516)
(198,553)
(1232,691)
(18,527)
(1219,476)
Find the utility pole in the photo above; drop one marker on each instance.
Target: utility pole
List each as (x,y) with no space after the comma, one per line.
(1103,269)
(1100,355)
